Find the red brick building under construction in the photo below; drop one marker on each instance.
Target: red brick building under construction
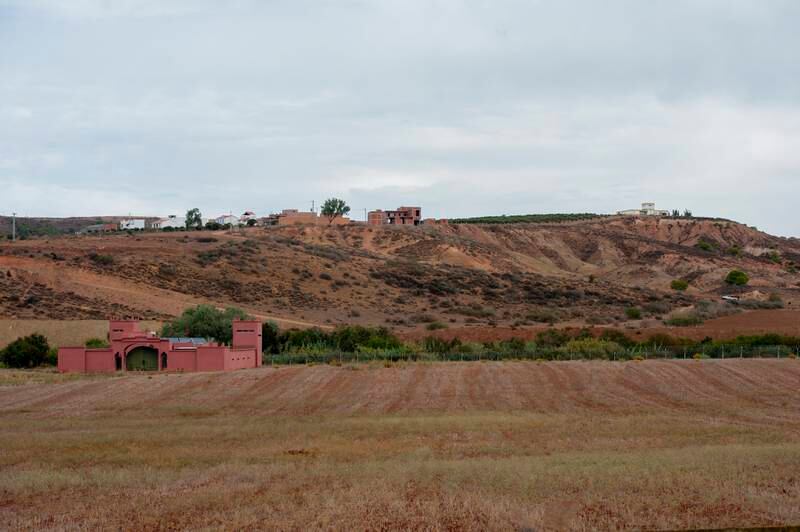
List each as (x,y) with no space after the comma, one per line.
(401,216)
(134,350)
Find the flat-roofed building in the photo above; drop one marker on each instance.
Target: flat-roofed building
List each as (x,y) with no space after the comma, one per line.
(400,216)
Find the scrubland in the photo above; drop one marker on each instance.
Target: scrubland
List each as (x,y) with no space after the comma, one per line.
(549,445)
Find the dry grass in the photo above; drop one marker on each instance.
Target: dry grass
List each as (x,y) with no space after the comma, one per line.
(422,446)
(61,332)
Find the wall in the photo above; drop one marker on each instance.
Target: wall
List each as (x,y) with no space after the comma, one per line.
(72,359)
(182,360)
(240,358)
(210,358)
(101,360)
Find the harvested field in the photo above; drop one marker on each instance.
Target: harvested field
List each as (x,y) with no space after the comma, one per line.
(547,446)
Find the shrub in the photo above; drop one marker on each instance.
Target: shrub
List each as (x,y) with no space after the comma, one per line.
(705,246)
(679,284)
(737,278)
(618,337)
(735,251)
(435,325)
(684,319)
(26,352)
(422,318)
(475,312)
(101,260)
(96,343)
(325,276)
(552,338)
(432,344)
(592,348)
(633,313)
(542,316)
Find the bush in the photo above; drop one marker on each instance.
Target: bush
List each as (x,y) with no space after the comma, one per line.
(552,338)
(705,246)
(96,343)
(618,337)
(684,319)
(633,313)
(431,344)
(679,284)
(435,325)
(26,352)
(593,348)
(737,278)
(101,260)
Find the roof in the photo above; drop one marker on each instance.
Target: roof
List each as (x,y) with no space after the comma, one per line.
(195,341)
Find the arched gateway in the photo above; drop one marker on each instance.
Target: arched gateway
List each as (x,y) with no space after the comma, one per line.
(142,359)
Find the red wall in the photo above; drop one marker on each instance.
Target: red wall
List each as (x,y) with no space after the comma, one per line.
(71,359)
(124,336)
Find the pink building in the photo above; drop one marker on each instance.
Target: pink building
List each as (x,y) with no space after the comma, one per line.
(134,350)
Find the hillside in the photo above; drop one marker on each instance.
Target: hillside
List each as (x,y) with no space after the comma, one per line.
(579,272)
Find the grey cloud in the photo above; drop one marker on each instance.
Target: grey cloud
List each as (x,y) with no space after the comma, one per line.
(464,107)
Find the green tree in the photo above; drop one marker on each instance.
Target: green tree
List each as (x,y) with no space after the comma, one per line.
(26,352)
(737,278)
(687,213)
(334,208)
(270,338)
(205,321)
(676,213)
(194,220)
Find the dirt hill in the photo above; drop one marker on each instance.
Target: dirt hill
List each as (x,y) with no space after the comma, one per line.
(460,275)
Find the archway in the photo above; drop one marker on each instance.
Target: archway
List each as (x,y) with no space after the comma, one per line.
(142,359)
(163,361)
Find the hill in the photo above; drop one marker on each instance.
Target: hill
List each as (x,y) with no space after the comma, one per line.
(580,272)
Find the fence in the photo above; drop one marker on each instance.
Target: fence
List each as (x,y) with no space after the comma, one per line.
(662,352)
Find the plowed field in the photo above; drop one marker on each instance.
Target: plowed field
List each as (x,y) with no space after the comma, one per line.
(545,446)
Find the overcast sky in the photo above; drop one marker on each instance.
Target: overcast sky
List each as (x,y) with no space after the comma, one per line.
(469,107)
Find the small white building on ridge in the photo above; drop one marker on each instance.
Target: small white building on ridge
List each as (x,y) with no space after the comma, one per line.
(132,224)
(648,209)
(175,222)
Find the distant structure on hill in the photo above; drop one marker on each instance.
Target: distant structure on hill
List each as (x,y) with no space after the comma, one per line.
(648,209)
(132,224)
(401,216)
(135,350)
(173,221)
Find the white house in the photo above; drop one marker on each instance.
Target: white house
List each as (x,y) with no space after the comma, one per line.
(227,219)
(248,215)
(131,224)
(648,209)
(175,222)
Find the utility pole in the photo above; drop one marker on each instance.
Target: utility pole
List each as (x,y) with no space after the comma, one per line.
(365,215)
(13,227)
(312,205)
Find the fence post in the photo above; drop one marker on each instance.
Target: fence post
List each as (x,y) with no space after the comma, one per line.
(741,351)
(723,351)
